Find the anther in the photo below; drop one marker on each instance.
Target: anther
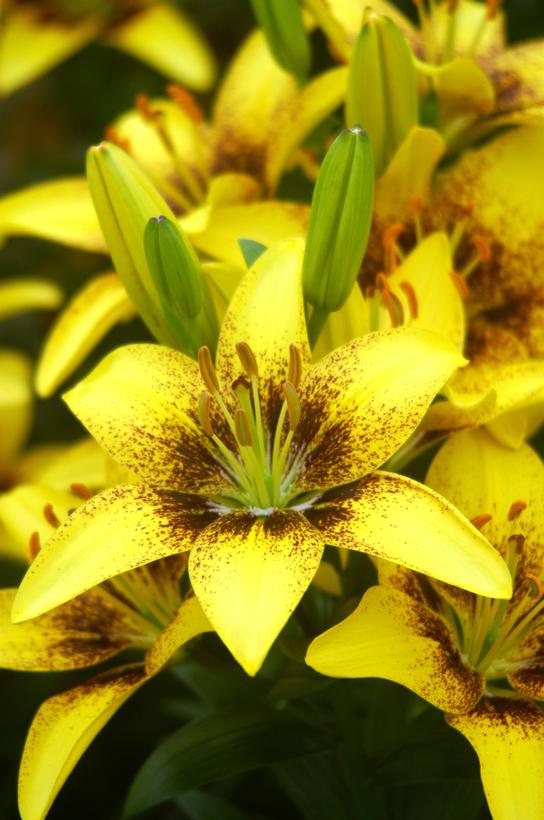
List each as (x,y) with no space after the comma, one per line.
(293,404)
(515,510)
(392,302)
(34,545)
(207,370)
(415,203)
(113,135)
(389,241)
(452,6)
(204,413)
(185,100)
(482,247)
(247,359)
(243,428)
(493,7)
(535,586)
(460,284)
(480,520)
(50,516)
(81,490)
(294,372)
(143,106)
(410,294)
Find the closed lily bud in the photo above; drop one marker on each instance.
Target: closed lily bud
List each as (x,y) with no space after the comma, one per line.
(174,267)
(283,28)
(340,219)
(125,200)
(382,87)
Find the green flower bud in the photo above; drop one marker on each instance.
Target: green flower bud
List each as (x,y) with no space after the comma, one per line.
(283,27)
(382,87)
(125,200)
(174,268)
(340,220)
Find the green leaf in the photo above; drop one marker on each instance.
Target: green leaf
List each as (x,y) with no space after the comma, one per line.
(215,747)
(251,250)
(199,805)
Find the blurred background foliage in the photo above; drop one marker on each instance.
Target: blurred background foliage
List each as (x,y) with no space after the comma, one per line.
(377,752)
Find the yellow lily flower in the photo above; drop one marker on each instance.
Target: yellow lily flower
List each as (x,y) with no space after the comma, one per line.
(478,659)
(35,39)
(142,610)
(255,464)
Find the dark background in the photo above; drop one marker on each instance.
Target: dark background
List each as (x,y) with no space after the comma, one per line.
(45,129)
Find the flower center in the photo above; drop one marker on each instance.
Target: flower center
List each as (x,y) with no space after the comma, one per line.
(257,460)
(440,41)
(497,626)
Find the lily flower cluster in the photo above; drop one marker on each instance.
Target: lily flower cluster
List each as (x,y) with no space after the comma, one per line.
(304,358)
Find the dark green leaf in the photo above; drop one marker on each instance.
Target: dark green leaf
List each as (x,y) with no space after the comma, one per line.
(251,250)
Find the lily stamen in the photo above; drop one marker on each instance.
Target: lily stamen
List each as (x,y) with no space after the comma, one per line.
(480,520)
(81,490)
(515,510)
(34,545)
(50,517)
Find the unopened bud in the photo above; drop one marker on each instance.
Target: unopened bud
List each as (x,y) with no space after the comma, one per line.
(174,268)
(283,28)
(340,220)
(382,87)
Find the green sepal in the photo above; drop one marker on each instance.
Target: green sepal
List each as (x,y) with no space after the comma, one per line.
(251,250)
(283,27)
(174,267)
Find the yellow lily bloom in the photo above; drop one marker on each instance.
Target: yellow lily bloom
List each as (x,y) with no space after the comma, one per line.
(35,39)
(478,659)
(142,610)
(254,464)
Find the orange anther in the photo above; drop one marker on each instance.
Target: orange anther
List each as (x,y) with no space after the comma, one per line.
(519,541)
(392,233)
(482,247)
(185,100)
(460,284)
(417,2)
(516,508)
(480,520)
(50,516)
(415,203)
(81,490)
(492,8)
(535,586)
(34,545)
(143,106)
(410,293)
(391,302)
(112,135)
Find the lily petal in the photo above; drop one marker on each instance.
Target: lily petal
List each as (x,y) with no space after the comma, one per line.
(81,633)
(390,635)
(15,404)
(393,517)
(264,222)
(188,622)
(32,45)
(60,210)
(165,39)
(249,573)
(351,321)
(141,405)
(480,476)
(95,309)
(19,295)
(361,402)
(508,737)
(22,514)
(118,530)
(504,193)
(63,728)
(61,465)
(517,75)
(526,659)
(267,312)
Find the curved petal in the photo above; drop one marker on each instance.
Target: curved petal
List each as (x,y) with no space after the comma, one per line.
(518,77)
(188,622)
(222,280)
(463,89)
(480,476)
(22,514)
(361,402)
(249,573)
(508,737)
(527,663)
(393,517)
(163,37)
(390,635)
(15,404)
(118,530)
(61,465)
(504,193)
(81,633)
(264,222)
(60,210)
(19,295)
(141,405)
(267,312)
(63,728)
(93,311)
(31,45)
